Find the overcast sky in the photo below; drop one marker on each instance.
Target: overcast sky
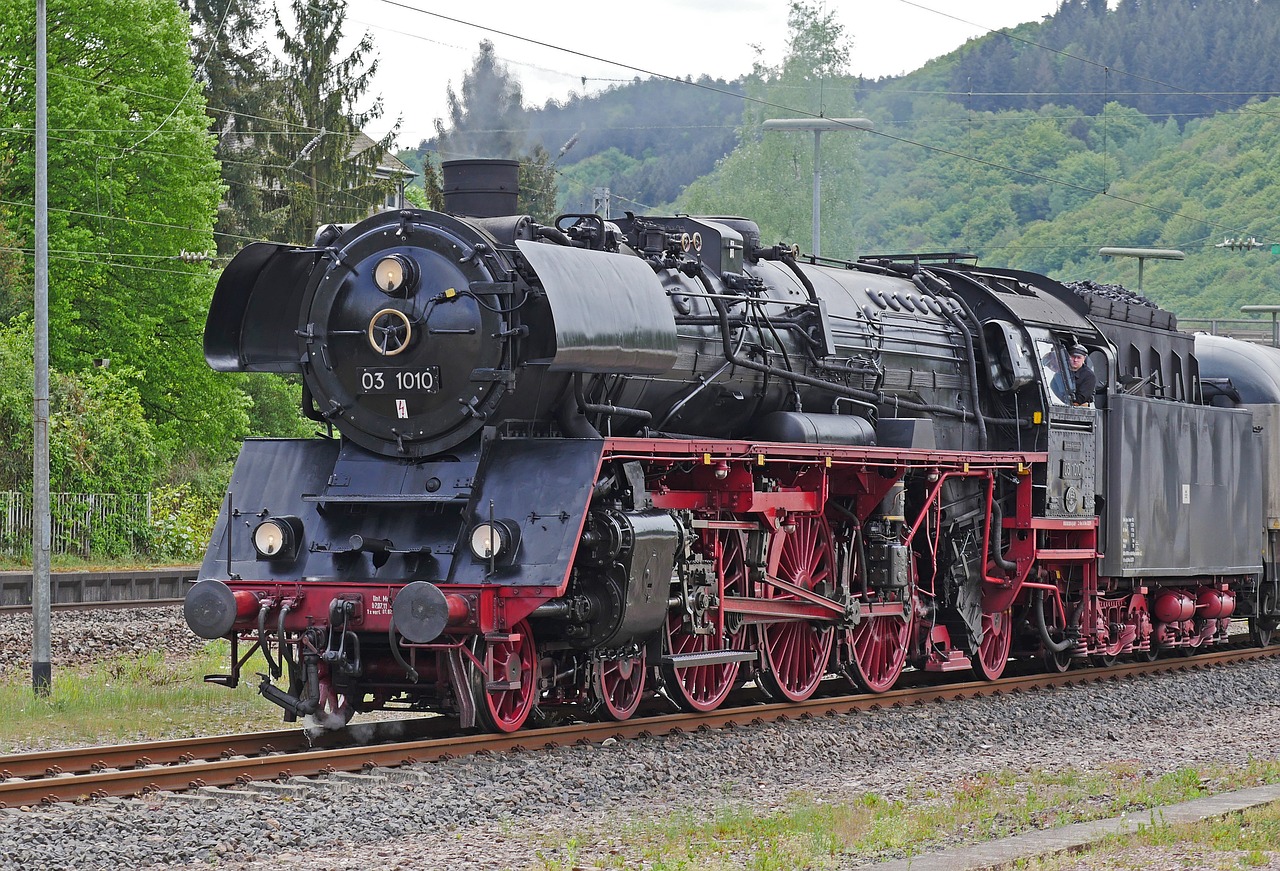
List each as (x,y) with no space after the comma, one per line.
(420,53)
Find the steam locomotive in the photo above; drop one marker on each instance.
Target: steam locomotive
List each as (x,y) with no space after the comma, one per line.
(579,465)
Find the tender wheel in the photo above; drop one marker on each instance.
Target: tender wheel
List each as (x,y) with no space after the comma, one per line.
(879,647)
(618,685)
(796,652)
(993,650)
(503,704)
(705,687)
(1262,627)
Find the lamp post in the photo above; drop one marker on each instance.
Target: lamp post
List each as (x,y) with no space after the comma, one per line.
(818,126)
(1143,254)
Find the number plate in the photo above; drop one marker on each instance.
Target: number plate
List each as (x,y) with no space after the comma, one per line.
(400,381)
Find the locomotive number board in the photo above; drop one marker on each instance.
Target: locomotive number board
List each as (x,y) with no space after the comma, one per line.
(426,380)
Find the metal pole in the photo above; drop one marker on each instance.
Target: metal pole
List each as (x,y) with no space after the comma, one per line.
(41,657)
(817,192)
(817,125)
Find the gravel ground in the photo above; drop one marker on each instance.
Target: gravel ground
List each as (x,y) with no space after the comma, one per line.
(80,637)
(516,810)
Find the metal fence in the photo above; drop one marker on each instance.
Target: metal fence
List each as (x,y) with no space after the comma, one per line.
(1254,330)
(83,523)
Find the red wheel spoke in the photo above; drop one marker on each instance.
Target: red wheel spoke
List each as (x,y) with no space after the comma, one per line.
(993,649)
(796,652)
(506,710)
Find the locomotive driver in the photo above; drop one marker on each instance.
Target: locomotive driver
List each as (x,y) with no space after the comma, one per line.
(1085,381)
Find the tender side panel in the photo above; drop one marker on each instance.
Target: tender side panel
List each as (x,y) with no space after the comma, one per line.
(1175,472)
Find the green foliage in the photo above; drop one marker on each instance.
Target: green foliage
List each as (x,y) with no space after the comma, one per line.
(275,409)
(181,522)
(132,183)
(1215,54)
(100,440)
(537,186)
(767,176)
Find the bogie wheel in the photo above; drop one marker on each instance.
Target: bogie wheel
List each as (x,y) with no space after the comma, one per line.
(618,686)
(1262,626)
(705,687)
(1060,662)
(503,703)
(993,650)
(796,652)
(879,647)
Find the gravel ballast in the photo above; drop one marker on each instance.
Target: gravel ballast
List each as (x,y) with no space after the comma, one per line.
(515,810)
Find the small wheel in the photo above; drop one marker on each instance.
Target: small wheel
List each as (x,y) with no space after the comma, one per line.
(796,652)
(503,704)
(618,685)
(1104,660)
(1058,663)
(705,687)
(1262,626)
(879,647)
(993,650)
(1151,654)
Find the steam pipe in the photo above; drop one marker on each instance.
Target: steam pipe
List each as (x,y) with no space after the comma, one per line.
(1049,644)
(860,395)
(974,389)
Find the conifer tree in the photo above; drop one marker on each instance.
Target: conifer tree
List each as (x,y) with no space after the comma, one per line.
(322,165)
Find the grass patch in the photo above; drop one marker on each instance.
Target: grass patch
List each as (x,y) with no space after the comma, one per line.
(131,699)
(1243,840)
(806,833)
(64,562)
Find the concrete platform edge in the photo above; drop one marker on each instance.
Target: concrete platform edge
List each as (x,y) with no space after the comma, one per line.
(1005,852)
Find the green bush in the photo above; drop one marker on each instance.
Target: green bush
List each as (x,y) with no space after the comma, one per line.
(181,523)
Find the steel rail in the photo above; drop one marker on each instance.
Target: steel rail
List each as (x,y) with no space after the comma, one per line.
(106,605)
(271,763)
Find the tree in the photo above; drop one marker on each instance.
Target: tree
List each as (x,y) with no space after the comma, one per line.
(323,166)
(766,176)
(486,118)
(538,185)
(133,183)
(241,87)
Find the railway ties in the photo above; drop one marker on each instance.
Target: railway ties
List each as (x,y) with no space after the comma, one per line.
(285,763)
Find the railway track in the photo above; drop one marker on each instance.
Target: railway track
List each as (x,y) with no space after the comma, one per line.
(49,777)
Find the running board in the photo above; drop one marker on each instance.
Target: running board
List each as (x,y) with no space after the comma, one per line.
(711,657)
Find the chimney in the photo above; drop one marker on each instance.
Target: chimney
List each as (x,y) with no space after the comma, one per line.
(481,188)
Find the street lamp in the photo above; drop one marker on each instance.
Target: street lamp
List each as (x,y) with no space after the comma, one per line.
(1143,254)
(818,126)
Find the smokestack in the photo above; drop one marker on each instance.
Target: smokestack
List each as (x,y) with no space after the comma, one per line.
(481,188)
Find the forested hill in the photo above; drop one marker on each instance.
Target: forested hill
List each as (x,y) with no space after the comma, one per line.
(1147,124)
(1175,58)
(644,139)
